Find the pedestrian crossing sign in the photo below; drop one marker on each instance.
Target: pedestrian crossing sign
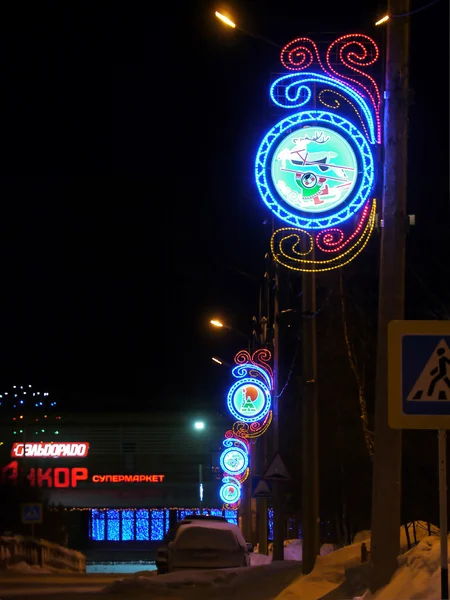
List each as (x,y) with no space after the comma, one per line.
(32,513)
(419,374)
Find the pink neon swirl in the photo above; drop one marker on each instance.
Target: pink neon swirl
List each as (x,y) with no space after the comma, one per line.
(242,357)
(261,358)
(297,56)
(327,238)
(349,58)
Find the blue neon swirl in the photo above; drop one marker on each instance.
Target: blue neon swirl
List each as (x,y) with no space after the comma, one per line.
(259,416)
(292,87)
(275,202)
(243,371)
(229,442)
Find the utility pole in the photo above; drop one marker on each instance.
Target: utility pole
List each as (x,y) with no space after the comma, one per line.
(386,491)
(310,460)
(278,512)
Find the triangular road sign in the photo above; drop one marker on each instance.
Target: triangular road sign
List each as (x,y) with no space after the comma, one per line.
(262,490)
(433,384)
(277,470)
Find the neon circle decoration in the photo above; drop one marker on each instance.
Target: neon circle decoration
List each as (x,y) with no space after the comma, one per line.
(230,492)
(314,169)
(234,461)
(249,400)
(299,171)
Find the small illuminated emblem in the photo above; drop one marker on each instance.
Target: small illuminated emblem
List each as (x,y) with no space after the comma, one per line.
(314,169)
(249,400)
(230,493)
(234,461)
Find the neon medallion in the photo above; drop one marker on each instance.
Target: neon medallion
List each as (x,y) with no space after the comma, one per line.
(234,461)
(249,400)
(230,492)
(314,169)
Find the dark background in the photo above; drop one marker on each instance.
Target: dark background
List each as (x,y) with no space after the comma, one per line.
(129,214)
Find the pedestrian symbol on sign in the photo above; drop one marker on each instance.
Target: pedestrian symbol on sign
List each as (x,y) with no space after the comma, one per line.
(433,383)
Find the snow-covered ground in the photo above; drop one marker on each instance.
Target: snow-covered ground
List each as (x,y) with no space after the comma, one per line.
(417,578)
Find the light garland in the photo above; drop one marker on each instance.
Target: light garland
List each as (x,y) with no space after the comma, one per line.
(300,53)
(295,263)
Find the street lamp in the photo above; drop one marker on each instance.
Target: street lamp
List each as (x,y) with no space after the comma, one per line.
(227,21)
(220,325)
(200,426)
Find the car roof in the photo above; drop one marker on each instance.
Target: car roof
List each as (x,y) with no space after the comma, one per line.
(216,525)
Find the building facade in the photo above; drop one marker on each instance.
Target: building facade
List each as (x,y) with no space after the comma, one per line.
(121,479)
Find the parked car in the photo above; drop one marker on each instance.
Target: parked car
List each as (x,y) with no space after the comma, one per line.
(163,550)
(208,545)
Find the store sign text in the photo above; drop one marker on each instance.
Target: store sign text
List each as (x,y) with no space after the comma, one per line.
(65,477)
(50,450)
(128,478)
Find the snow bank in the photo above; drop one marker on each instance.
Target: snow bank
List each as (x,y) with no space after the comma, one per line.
(25,568)
(166,586)
(419,578)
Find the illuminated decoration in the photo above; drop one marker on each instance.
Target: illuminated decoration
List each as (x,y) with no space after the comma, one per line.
(315,169)
(50,450)
(334,191)
(249,400)
(234,459)
(287,249)
(140,524)
(252,430)
(230,492)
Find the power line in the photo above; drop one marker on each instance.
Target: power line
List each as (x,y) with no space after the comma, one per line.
(412,12)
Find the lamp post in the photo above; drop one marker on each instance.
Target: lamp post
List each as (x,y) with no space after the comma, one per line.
(200,426)
(221,325)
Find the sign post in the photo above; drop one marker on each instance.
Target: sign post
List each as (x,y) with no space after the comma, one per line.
(443,527)
(31,513)
(419,397)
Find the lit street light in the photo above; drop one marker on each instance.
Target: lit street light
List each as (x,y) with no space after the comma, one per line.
(216,323)
(382,20)
(199,425)
(225,19)
(233,25)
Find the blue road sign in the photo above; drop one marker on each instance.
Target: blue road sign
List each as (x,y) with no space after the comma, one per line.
(419,374)
(32,513)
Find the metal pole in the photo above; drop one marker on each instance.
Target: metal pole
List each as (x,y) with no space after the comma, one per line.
(200,486)
(310,461)
(386,490)
(443,511)
(278,513)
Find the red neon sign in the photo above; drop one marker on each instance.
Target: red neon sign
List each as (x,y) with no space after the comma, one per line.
(60,477)
(50,449)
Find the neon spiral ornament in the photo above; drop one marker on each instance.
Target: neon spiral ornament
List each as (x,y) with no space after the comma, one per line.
(252,430)
(330,249)
(355,52)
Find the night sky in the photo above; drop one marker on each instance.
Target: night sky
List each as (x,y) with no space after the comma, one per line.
(129,213)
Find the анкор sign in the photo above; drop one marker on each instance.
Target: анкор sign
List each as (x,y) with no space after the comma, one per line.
(419,374)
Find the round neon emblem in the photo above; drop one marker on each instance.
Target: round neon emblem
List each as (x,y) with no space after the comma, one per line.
(230,493)
(234,461)
(249,400)
(314,169)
